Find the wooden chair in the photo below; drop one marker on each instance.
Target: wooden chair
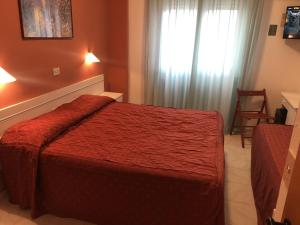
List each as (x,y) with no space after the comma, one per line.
(261,114)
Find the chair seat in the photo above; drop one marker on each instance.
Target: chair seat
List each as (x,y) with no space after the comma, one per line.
(254,115)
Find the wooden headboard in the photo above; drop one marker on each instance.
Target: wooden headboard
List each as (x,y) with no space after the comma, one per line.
(47,102)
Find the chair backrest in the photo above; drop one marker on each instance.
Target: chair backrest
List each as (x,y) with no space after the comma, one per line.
(257,93)
(251,93)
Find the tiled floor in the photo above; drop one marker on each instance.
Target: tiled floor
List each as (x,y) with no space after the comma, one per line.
(239,206)
(239,202)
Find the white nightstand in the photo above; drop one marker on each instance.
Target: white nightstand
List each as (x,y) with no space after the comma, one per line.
(291,102)
(117,96)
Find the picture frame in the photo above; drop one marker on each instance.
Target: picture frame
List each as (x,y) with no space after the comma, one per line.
(46,19)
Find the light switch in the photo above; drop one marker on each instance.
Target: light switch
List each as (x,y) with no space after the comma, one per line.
(56,71)
(272,30)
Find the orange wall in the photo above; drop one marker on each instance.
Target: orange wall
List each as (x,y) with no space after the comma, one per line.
(31,62)
(117,47)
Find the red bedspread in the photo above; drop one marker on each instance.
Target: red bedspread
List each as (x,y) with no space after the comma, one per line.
(117,164)
(269,151)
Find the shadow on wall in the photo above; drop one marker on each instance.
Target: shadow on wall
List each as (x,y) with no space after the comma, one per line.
(262,39)
(294,44)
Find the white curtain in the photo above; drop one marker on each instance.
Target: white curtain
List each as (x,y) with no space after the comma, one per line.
(199,51)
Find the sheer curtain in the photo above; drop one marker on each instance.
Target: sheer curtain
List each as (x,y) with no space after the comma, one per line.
(199,51)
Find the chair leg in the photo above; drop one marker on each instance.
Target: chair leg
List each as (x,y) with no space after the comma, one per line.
(258,122)
(242,133)
(233,123)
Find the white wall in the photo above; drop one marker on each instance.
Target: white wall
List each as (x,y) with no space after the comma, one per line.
(136,50)
(278,64)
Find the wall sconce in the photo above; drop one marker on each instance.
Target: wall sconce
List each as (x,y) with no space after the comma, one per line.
(91,58)
(5,77)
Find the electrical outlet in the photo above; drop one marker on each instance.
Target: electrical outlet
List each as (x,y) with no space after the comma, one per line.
(56,71)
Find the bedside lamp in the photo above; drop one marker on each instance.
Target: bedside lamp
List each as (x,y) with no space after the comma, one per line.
(5,77)
(91,58)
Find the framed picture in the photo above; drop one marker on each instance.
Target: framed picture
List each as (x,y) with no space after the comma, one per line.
(46,19)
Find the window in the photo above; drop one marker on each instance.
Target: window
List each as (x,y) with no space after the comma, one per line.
(215,41)
(178,41)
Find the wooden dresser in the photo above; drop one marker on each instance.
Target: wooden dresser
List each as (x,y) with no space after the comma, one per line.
(291,102)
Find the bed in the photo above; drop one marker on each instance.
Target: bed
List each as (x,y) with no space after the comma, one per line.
(269,151)
(114,163)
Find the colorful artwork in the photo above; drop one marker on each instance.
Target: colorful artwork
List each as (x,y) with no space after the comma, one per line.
(292,25)
(46,18)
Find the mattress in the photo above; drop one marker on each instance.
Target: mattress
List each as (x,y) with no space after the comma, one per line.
(114,163)
(269,151)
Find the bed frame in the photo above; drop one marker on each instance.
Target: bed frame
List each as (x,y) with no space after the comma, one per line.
(47,102)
